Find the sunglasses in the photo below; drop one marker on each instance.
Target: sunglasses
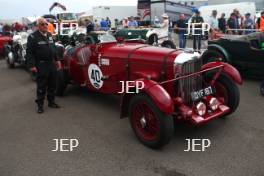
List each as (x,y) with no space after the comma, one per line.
(43,24)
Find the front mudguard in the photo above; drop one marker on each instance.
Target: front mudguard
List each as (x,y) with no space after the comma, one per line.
(228,69)
(156,92)
(220,49)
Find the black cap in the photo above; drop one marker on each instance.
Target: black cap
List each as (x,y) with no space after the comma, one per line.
(247,14)
(197,12)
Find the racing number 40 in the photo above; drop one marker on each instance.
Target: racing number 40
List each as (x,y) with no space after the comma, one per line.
(95,75)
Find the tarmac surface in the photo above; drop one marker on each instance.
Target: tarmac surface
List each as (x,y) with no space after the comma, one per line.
(107,145)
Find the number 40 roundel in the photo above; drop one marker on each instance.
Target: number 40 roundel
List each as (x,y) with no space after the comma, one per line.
(95,76)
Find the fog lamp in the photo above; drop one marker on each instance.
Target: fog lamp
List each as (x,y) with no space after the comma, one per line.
(201,108)
(214,104)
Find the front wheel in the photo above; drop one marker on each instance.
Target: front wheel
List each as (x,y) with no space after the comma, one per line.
(153,40)
(212,56)
(227,92)
(152,127)
(168,44)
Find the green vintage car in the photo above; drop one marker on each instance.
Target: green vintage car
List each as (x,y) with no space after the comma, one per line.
(152,36)
(245,52)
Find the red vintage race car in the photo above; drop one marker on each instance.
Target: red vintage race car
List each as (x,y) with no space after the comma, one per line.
(156,85)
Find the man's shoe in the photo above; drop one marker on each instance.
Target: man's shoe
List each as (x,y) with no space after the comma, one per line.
(53,105)
(40,109)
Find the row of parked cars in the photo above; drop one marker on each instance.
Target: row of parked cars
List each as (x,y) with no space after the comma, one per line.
(175,84)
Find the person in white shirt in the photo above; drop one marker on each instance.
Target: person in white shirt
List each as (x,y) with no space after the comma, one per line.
(132,23)
(164,32)
(96,25)
(125,22)
(213,21)
(214,24)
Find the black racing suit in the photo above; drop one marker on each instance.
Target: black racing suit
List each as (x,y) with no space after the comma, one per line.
(197,39)
(41,53)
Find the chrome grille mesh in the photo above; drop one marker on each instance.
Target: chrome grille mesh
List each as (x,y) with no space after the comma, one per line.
(193,83)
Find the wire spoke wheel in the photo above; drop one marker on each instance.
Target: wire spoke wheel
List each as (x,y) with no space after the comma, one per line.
(145,122)
(151,126)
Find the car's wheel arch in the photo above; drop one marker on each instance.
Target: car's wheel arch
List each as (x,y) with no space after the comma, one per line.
(228,69)
(220,49)
(156,92)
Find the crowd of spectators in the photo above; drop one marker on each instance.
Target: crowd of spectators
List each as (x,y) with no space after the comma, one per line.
(105,24)
(6,29)
(236,23)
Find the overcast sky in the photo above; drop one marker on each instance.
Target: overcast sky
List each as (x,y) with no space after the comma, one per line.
(12,9)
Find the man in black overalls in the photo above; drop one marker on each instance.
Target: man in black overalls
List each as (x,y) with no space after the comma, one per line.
(197,39)
(41,55)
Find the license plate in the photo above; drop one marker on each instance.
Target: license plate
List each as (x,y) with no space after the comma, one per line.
(196,95)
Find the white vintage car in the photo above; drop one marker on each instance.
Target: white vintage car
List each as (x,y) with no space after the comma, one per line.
(152,36)
(16,51)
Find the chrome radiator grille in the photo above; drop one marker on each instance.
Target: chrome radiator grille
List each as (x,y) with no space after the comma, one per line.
(193,83)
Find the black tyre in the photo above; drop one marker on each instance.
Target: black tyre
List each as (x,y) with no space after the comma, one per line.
(152,127)
(212,56)
(227,91)
(61,83)
(168,44)
(262,88)
(153,39)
